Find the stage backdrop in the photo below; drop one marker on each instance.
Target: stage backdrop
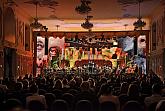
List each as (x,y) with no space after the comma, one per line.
(130,49)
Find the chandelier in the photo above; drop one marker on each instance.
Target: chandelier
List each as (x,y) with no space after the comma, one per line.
(84,8)
(35,24)
(11,3)
(44,3)
(87,25)
(139,23)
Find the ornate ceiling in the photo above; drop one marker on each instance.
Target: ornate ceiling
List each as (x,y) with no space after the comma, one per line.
(107,14)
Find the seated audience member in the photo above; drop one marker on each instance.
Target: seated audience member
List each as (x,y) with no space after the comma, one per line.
(145,88)
(86,94)
(123,98)
(92,84)
(108,106)
(25,84)
(3,87)
(124,88)
(13,105)
(59,105)
(36,105)
(72,84)
(160,106)
(85,86)
(84,105)
(106,95)
(69,98)
(156,96)
(65,84)
(58,84)
(78,80)
(50,97)
(133,106)
(133,93)
(18,86)
(35,96)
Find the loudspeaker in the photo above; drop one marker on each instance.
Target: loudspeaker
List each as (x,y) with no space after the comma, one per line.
(46,46)
(135,46)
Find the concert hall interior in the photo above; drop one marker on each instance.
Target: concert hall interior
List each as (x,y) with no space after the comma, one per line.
(77,55)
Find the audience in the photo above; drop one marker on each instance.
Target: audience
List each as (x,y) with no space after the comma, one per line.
(133,106)
(106,95)
(83,93)
(35,96)
(12,105)
(155,97)
(160,106)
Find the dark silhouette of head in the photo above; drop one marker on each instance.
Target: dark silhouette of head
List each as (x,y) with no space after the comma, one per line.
(124,88)
(160,106)
(13,105)
(59,105)
(85,86)
(58,84)
(156,89)
(108,106)
(35,105)
(133,106)
(105,89)
(133,90)
(84,105)
(34,88)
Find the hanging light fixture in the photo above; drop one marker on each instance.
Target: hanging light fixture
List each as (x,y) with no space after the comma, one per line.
(139,24)
(11,3)
(87,25)
(84,8)
(35,24)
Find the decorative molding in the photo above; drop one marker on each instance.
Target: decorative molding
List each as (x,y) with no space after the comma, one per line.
(107,34)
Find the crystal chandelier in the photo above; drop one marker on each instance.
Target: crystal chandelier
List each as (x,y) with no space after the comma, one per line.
(87,25)
(35,24)
(84,8)
(139,23)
